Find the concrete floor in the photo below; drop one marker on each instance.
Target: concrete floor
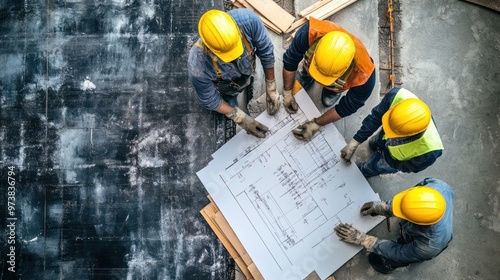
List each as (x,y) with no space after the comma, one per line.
(106,136)
(449,54)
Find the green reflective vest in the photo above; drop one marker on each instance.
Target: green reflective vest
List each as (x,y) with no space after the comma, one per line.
(429,142)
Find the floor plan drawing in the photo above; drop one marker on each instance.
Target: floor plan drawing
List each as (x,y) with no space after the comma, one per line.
(283,196)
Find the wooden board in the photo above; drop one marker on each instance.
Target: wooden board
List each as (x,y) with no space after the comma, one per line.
(209,212)
(491,4)
(273,12)
(267,23)
(325,11)
(313,7)
(330,8)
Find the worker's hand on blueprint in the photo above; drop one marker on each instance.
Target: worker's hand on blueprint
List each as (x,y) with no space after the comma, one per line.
(306,131)
(289,102)
(272,97)
(347,152)
(248,123)
(375,208)
(351,235)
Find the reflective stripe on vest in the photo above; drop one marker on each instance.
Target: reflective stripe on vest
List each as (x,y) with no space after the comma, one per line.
(429,142)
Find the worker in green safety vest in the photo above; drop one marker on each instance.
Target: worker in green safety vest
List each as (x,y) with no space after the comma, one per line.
(408,141)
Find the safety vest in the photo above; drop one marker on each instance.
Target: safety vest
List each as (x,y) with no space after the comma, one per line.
(429,142)
(363,67)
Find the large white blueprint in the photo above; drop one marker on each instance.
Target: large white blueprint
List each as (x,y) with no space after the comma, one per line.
(283,197)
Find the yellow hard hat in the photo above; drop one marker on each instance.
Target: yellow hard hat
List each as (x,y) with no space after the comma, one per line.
(332,57)
(408,117)
(421,205)
(221,35)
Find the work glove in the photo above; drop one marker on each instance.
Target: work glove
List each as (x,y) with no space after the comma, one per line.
(351,235)
(248,123)
(347,152)
(306,131)
(375,208)
(289,102)
(272,97)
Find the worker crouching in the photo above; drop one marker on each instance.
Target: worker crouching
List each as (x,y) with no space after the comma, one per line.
(426,211)
(408,141)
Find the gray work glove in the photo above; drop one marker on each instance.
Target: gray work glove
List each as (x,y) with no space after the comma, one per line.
(375,208)
(248,123)
(272,97)
(289,102)
(351,235)
(306,131)
(347,152)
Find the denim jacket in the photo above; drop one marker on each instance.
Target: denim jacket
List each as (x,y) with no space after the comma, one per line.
(202,72)
(421,243)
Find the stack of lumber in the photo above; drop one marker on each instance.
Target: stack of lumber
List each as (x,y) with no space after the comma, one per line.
(228,238)
(280,21)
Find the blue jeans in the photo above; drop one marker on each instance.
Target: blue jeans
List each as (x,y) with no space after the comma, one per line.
(376,165)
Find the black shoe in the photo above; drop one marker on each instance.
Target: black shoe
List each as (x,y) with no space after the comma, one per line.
(328,97)
(382,264)
(379,264)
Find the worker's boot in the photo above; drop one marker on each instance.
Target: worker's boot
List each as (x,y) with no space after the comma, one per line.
(382,264)
(328,97)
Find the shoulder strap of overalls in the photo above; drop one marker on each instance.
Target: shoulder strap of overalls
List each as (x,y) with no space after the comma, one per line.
(215,58)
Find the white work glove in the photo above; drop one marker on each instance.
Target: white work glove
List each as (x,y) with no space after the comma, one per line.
(272,97)
(306,131)
(289,102)
(375,208)
(248,123)
(351,235)
(348,150)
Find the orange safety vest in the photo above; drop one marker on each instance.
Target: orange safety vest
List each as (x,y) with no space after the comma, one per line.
(364,66)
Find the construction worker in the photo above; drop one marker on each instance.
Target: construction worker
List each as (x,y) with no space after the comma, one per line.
(408,141)
(335,59)
(222,61)
(426,227)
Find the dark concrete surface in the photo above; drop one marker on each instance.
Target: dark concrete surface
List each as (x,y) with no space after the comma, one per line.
(103,136)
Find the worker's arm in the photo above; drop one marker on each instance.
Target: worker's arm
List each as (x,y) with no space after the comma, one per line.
(256,34)
(293,55)
(354,99)
(373,121)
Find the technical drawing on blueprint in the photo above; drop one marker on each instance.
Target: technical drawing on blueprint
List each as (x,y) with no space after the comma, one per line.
(283,196)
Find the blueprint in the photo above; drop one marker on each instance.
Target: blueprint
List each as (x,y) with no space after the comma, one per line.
(283,196)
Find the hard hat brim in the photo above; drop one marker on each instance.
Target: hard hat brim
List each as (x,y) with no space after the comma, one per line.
(396,204)
(385,125)
(231,55)
(318,76)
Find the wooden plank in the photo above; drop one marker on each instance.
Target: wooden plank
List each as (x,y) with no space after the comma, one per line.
(231,237)
(491,4)
(296,24)
(327,10)
(330,9)
(267,23)
(208,212)
(273,12)
(313,7)
(255,272)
